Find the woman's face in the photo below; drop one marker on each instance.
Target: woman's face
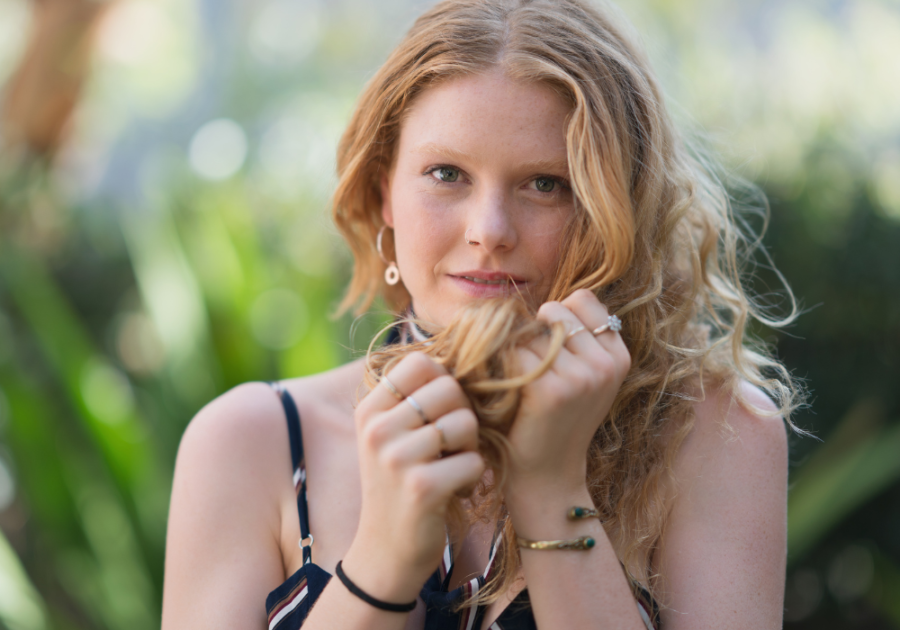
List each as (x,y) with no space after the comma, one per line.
(479,157)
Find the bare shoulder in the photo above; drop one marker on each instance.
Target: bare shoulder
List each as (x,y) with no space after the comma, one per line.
(235,425)
(732,430)
(222,551)
(231,493)
(244,424)
(723,553)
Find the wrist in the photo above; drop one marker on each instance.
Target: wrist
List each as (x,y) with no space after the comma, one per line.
(538,514)
(528,493)
(381,579)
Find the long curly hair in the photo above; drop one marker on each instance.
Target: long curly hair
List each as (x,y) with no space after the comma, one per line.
(656,237)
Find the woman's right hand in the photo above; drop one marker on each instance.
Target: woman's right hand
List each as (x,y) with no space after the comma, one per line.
(406,482)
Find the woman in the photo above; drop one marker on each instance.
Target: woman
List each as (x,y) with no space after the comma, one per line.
(630,471)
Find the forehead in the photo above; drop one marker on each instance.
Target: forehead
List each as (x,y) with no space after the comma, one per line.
(487,115)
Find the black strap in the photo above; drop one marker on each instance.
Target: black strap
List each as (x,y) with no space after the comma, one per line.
(377,603)
(298,463)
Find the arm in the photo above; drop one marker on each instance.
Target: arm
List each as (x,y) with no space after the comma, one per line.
(222,551)
(723,554)
(559,415)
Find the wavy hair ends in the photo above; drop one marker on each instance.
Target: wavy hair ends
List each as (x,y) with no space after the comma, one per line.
(656,238)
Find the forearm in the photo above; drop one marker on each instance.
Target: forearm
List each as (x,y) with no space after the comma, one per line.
(570,589)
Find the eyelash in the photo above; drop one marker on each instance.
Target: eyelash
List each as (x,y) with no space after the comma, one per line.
(561,182)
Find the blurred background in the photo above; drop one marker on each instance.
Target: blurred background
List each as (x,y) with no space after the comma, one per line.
(165,167)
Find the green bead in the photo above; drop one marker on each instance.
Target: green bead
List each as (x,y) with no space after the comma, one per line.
(579,512)
(589,543)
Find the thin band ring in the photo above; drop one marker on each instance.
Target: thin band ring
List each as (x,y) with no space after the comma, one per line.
(613,324)
(412,403)
(466,236)
(574,332)
(392,388)
(440,430)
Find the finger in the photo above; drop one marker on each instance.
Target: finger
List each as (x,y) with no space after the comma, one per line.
(424,405)
(438,397)
(454,432)
(537,353)
(412,372)
(585,305)
(579,343)
(528,360)
(437,480)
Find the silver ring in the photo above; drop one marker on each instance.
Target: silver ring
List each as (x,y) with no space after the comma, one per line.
(574,332)
(613,324)
(311,541)
(466,236)
(391,388)
(412,403)
(440,430)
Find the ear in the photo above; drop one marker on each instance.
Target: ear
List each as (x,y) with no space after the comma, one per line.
(387,213)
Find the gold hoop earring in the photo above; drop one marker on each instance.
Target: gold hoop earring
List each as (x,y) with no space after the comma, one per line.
(392,273)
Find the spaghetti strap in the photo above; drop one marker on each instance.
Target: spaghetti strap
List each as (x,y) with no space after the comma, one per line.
(298,463)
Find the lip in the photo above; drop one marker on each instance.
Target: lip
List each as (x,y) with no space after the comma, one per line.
(467,282)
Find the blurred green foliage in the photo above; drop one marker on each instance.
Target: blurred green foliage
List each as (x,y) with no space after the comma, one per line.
(193,254)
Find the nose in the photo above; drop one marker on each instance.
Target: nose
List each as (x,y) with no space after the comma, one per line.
(490,222)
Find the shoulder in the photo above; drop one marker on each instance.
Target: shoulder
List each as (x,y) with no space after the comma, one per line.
(733,429)
(224,513)
(731,470)
(242,419)
(231,449)
(249,420)
(723,551)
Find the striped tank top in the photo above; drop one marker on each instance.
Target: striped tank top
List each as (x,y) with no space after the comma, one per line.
(290,603)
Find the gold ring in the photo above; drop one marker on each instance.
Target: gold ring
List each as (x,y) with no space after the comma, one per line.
(390,387)
(613,323)
(440,430)
(412,403)
(574,332)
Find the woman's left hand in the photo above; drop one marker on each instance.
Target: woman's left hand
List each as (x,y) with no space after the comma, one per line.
(561,411)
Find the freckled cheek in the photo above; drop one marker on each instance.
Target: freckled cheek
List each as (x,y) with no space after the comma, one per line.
(544,239)
(425,230)
(426,217)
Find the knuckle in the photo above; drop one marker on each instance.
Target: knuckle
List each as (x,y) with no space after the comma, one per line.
(605,367)
(375,433)
(467,423)
(418,484)
(420,362)
(548,307)
(583,379)
(625,360)
(390,459)
(556,396)
(447,382)
(583,296)
(476,463)
(417,360)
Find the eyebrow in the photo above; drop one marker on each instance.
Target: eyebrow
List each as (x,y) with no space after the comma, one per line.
(536,166)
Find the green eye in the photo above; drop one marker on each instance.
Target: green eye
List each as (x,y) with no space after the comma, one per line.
(447,174)
(544,184)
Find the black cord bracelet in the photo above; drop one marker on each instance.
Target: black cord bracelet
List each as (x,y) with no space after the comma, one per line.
(377,603)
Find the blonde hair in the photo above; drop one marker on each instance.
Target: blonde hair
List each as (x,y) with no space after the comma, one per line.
(655,238)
